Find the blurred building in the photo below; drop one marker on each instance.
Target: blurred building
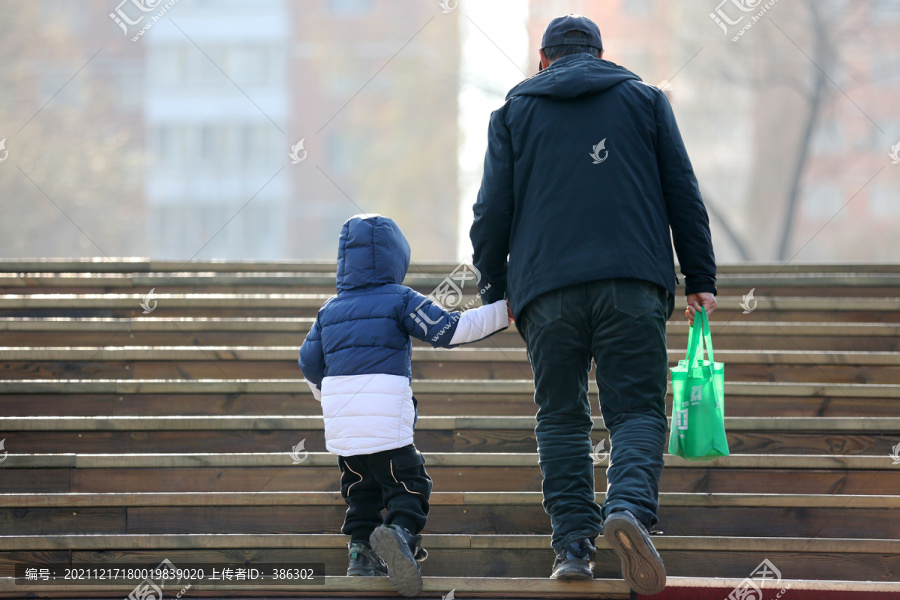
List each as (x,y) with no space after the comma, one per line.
(176,144)
(375,87)
(73,144)
(216,103)
(857,123)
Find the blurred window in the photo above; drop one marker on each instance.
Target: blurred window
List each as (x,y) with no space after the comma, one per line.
(349,7)
(129,88)
(550,8)
(258,143)
(343,150)
(58,84)
(833,7)
(170,144)
(886,69)
(256,65)
(205,67)
(167,65)
(210,144)
(828,137)
(637,8)
(823,201)
(885,11)
(64,14)
(884,201)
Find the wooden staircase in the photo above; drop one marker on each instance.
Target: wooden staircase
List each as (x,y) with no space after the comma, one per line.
(138,437)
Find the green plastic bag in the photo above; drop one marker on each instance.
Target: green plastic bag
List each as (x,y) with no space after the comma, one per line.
(698,399)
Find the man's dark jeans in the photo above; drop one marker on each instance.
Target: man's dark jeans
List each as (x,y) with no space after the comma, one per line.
(621,325)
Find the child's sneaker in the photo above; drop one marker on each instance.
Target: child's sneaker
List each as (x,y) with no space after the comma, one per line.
(400,549)
(364,562)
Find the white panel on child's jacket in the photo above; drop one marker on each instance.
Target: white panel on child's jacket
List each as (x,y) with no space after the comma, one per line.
(365,414)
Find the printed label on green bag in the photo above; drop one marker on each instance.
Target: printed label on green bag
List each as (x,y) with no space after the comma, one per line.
(696,395)
(681,420)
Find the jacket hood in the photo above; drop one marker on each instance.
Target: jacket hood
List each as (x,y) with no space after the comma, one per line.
(573,76)
(371,251)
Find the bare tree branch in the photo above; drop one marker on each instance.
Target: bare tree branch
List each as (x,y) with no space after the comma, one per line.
(732,235)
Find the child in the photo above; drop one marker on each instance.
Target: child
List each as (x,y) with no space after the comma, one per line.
(357,361)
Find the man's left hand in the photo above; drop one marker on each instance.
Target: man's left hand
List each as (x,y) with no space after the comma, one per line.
(695,301)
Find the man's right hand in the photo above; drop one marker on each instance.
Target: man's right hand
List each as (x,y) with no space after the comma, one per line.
(695,301)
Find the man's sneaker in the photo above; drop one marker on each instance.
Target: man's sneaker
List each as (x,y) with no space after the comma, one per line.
(642,567)
(399,549)
(364,562)
(575,561)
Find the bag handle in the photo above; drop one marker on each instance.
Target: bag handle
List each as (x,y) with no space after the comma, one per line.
(693,342)
(700,340)
(707,334)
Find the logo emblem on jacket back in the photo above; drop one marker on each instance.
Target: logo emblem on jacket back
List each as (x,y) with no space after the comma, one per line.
(601,147)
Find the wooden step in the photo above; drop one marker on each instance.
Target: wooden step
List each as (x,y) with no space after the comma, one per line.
(436,398)
(252,279)
(741,515)
(763,284)
(744,401)
(436,541)
(301,325)
(433,386)
(462,354)
(425,423)
(144,265)
(199,362)
(350,587)
(268,433)
(472,588)
(306,305)
(131,302)
(501,555)
(438,498)
(493,423)
(507,460)
(428,440)
(290,332)
(694,478)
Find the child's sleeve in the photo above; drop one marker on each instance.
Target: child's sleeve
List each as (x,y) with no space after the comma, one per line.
(429,322)
(312,360)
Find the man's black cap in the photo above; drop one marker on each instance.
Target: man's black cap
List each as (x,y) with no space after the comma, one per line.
(557,32)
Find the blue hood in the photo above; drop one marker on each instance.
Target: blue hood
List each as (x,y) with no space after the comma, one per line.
(572,76)
(372,251)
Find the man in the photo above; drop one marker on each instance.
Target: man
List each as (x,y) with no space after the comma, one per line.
(584,175)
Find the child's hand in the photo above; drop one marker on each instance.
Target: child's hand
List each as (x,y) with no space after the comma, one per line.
(509,313)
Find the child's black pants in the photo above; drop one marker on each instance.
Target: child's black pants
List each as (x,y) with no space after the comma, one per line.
(394,480)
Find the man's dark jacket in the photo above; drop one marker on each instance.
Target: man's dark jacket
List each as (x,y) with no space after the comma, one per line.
(567,209)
